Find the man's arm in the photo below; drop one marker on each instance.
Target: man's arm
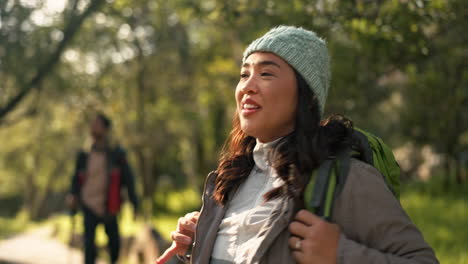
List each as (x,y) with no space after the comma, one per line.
(75,186)
(129,180)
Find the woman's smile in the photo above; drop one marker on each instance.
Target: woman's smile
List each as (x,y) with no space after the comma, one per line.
(249,107)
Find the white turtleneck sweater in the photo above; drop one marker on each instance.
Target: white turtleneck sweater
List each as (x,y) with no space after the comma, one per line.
(247,211)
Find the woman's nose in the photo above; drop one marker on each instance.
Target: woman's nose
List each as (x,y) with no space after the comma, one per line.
(250,85)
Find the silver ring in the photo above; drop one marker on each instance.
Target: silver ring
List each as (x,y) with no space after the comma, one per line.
(298,244)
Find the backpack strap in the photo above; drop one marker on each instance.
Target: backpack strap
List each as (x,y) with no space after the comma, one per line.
(343,166)
(363,147)
(316,193)
(326,184)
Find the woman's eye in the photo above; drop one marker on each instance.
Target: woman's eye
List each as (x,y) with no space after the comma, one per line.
(266,74)
(244,75)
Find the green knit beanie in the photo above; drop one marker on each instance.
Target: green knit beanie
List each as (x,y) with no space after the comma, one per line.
(304,51)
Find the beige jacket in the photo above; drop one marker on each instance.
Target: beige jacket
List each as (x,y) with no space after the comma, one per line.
(375,228)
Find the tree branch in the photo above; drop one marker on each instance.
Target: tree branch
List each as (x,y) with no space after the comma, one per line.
(70,31)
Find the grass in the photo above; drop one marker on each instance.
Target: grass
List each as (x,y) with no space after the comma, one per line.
(164,222)
(12,226)
(441,215)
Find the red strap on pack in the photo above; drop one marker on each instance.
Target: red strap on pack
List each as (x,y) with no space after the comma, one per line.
(114,199)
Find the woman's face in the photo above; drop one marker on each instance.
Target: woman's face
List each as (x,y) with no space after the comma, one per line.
(266,97)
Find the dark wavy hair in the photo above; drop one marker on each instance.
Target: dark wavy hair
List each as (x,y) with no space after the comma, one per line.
(106,121)
(295,156)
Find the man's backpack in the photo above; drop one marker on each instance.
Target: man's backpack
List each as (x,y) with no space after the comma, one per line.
(329,179)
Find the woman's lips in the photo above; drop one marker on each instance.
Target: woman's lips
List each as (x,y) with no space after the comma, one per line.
(247,112)
(249,107)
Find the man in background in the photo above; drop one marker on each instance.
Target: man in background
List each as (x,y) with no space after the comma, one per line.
(99,177)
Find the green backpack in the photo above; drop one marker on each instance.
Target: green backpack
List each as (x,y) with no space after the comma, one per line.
(329,179)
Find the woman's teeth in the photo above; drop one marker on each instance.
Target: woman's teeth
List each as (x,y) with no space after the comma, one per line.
(250,106)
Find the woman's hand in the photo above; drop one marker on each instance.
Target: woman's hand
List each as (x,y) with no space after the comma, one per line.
(313,240)
(182,238)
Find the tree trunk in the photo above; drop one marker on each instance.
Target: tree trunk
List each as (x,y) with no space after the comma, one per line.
(145,157)
(447,172)
(461,169)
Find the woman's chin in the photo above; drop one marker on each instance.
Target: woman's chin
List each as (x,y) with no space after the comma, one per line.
(250,130)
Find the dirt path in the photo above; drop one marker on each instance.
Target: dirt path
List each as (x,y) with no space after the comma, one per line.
(38,247)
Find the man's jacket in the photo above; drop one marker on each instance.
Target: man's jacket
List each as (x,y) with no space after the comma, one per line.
(119,176)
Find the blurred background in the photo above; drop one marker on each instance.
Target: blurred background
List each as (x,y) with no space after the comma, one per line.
(166,71)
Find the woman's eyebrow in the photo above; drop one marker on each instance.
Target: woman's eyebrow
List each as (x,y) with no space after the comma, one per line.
(262,63)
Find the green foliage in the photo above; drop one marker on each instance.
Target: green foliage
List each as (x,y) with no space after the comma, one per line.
(436,88)
(441,216)
(14,225)
(177,202)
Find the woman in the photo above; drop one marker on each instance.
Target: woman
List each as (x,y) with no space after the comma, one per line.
(252,204)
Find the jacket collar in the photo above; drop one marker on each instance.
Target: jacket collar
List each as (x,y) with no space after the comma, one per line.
(207,227)
(263,154)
